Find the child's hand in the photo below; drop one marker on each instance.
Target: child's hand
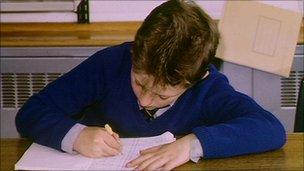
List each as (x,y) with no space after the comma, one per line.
(164,157)
(97,142)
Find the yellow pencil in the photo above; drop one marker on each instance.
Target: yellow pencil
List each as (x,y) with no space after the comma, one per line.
(110,131)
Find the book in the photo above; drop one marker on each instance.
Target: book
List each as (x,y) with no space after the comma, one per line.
(259,36)
(38,157)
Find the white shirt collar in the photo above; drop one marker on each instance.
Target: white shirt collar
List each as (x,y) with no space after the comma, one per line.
(159,111)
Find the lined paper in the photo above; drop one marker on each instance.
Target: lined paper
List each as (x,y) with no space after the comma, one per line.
(39,157)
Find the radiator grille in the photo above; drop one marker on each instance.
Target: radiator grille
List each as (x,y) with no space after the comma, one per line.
(16,88)
(290,89)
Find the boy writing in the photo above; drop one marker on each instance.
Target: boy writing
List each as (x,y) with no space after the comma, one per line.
(163,81)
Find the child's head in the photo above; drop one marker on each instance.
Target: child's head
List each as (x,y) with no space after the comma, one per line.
(174,45)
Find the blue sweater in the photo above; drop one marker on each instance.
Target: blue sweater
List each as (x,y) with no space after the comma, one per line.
(98,91)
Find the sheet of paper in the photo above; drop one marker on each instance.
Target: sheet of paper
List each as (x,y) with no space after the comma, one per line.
(39,157)
(260,36)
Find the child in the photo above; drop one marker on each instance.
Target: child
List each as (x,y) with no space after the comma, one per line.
(163,81)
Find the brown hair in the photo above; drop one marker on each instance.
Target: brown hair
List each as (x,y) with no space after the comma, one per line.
(175,44)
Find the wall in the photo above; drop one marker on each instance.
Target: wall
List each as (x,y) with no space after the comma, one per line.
(125,10)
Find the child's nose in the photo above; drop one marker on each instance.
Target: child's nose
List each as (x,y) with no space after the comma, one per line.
(145,99)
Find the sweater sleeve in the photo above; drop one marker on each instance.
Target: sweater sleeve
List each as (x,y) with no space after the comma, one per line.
(47,116)
(237,124)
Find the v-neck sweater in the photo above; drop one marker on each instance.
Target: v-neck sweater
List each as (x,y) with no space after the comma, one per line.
(98,91)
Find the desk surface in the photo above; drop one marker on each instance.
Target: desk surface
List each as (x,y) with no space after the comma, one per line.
(290,157)
(73,34)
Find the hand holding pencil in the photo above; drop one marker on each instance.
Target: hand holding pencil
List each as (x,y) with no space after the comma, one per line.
(98,142)
(110,131)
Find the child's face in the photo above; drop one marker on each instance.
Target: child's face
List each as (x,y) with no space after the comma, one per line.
(151,97)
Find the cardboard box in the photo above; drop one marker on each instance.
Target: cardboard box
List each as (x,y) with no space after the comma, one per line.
(260,36)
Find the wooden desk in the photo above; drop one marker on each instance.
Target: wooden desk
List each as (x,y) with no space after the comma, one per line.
(66,34)
(290,157)
(73,34)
